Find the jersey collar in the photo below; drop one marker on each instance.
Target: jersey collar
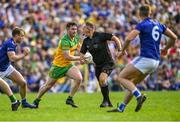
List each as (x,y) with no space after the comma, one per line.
(148,18)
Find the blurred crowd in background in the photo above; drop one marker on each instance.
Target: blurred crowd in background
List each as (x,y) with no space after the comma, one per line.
(44,22)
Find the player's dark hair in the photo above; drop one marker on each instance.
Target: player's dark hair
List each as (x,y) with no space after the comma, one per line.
(144,10)
(17,31)
(70,24)
(90,25)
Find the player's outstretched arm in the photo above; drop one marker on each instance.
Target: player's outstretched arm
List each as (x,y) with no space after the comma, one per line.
(172,37)
(129,38)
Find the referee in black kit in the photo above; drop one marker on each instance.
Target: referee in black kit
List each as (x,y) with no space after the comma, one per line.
(96,43)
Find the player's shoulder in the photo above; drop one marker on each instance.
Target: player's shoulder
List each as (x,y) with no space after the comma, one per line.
(9,42)
(85,39)
(77,38)
(99,33)
(63,39)
(149,21)
(143,22)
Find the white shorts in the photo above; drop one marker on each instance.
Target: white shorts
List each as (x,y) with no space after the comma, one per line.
(145,65)
(8,71)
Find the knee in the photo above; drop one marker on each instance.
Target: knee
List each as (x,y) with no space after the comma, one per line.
(79,79)
(103,81)
(23,83)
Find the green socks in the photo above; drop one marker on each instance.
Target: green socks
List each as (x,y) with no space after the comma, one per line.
(69,97)
(12,98)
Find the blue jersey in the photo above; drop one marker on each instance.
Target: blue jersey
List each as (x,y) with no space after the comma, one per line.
(150,36)
(7,46)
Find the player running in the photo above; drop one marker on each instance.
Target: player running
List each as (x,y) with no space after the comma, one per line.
(150,32)
(6,89)
(8,55)
(62,65)
(97,44)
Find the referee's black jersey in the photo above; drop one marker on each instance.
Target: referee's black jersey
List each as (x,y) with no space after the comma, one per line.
(98,47)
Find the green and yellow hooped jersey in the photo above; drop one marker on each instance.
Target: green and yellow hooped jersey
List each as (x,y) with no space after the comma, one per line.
(65,43)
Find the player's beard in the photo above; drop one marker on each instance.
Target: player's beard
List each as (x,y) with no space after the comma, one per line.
(73,34)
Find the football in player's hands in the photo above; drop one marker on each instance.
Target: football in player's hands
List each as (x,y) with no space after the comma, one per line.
(26,50)
(88,58)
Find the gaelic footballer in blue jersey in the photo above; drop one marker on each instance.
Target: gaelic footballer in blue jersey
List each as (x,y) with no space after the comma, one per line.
(150,32)
(8,55)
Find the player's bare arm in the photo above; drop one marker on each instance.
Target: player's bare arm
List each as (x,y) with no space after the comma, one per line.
(173,38)
(13,57)
(82,61)
(117,41)
(70,57)
(129,38)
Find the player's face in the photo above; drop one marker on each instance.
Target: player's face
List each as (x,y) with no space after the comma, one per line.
(20,37)
(72,31)
(87,31)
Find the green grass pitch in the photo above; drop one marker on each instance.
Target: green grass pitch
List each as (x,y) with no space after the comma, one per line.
(160,106)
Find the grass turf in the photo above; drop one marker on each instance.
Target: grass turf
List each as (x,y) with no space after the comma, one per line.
(160,106)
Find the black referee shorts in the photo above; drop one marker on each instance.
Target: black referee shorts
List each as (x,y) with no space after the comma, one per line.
(106,68)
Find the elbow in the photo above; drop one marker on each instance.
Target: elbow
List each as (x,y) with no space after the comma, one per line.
(174,39)
(114,38)
(66,56)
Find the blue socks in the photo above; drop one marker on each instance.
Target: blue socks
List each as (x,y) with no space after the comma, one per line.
(121,107)
(23,101)
(136,93)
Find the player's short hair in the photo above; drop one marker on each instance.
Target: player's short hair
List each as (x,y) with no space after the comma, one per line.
(17,31)
(69,24)
(88,24)
(144,10)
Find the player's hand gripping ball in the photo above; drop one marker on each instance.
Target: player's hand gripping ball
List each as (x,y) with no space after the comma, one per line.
(26,51)
(88,58)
